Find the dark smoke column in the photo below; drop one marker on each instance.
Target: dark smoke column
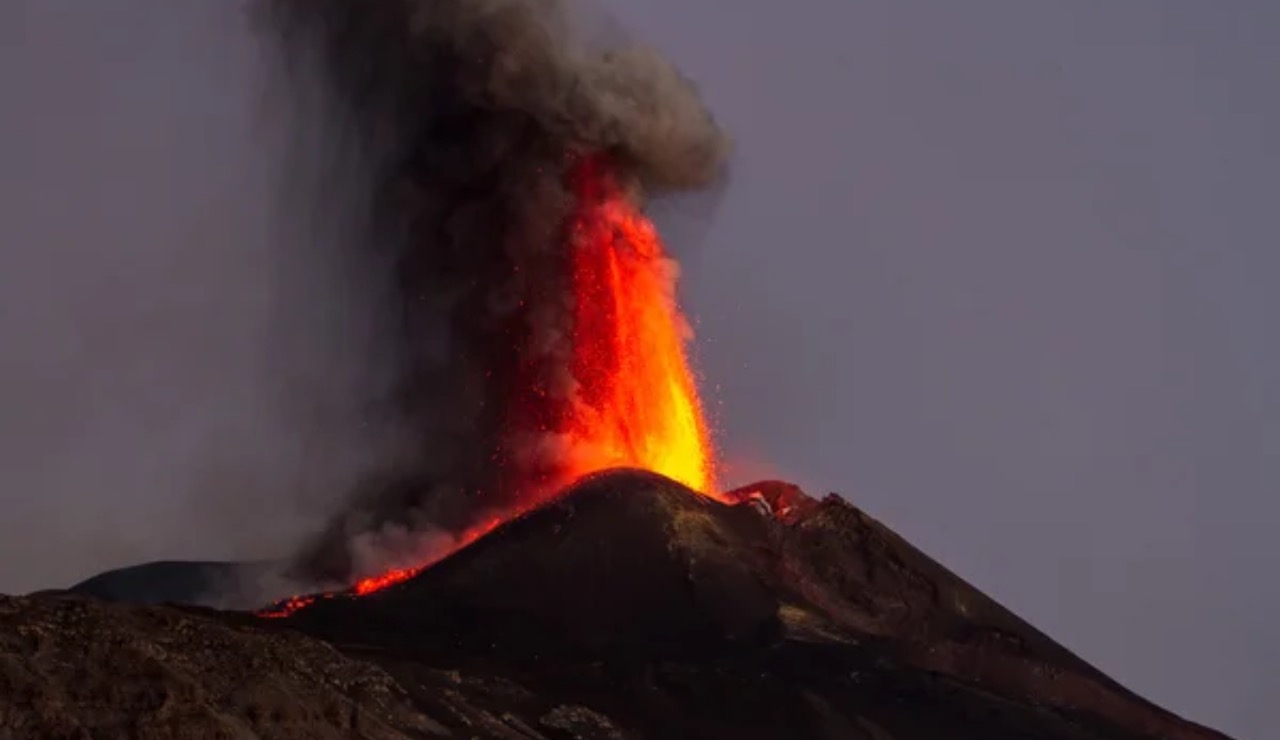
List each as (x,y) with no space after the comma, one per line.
(473,113)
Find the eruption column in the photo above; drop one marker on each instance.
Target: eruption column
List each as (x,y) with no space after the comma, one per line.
(532,305)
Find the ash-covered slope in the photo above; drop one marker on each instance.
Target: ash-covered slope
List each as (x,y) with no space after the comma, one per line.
(631,608)
(810,620)
(74,667)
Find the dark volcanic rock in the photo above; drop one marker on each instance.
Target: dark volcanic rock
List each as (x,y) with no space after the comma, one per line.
(76,668)
(631,608)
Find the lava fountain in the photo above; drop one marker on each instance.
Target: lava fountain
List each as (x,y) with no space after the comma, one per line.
(637,401)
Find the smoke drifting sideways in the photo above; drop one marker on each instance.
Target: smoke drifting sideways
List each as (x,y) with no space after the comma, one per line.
(469,116)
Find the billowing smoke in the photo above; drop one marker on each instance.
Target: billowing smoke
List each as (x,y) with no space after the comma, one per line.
(470,115)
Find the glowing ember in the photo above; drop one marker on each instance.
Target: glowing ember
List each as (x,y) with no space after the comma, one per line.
(288,606)
(637,403)
(376,583)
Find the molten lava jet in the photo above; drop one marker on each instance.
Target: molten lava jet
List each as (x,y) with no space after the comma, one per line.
(637,399)
(635,402)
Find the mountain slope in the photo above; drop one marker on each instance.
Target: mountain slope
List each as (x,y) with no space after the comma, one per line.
(630,608)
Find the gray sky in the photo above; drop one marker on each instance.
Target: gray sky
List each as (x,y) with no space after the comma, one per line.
(997,271)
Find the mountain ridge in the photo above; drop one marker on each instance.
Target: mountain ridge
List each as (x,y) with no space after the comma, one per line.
(631,607)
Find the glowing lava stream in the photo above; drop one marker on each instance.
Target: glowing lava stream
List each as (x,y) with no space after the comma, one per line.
(636,402)
(366,586)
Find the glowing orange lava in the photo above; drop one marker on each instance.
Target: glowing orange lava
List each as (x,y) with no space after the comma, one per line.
(637,399)
(366,586)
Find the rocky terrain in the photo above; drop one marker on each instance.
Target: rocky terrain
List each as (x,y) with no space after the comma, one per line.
(631,608)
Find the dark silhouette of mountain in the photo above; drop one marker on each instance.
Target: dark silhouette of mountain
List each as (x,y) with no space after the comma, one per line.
(175,582)
(630,608)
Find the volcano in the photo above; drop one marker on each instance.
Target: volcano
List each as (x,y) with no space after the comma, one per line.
(630,607)
(597,583)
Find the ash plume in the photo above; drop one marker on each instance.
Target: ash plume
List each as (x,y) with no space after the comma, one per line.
(471,113)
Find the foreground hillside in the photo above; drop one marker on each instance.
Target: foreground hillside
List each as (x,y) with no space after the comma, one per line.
(632,608)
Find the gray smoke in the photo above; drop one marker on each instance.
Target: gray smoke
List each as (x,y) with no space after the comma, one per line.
(471,115)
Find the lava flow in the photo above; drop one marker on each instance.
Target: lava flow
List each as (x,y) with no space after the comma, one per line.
(636,399)
(366,586)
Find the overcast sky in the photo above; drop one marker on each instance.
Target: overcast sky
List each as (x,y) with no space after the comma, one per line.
(1002,273)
